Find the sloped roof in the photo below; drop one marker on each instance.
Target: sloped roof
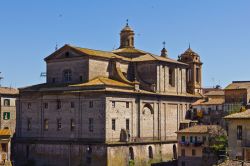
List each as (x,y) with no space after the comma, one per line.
(8,91)
(212,101)
(238,85)
(219,92)
(240,115)
(103,81)
(200,129)
(5,132)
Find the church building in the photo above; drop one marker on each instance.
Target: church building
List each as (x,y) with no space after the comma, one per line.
(106,108)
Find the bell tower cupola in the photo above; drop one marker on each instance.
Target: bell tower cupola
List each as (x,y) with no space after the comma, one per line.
(127,37)
(194,70)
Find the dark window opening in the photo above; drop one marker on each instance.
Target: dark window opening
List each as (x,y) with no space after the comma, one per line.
(183,152)
(45,105)
(81,78)
(127,124)
(29,124)
(193,152)
(58,104)
(91,124)
(29,105)
(239,132)
(67,75)
(91,104)
(150,152)
(4,147)
(113,104)
(113,124)
(131,153)
(171,77)
(72,104)
(46,124)
(53,80)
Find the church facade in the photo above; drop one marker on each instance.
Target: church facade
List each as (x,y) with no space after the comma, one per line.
(111,108)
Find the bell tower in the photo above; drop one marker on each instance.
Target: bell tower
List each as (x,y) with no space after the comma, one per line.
(127,37)
(193,72)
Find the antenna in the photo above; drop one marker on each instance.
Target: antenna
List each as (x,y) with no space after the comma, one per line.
(0,79)
(164,43)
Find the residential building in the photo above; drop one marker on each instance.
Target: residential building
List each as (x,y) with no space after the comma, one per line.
(239,135)
(8,108)
(210,109)
(106,107)
(237,95)
(194,145)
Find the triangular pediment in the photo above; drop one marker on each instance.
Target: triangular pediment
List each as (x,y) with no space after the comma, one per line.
(65,52)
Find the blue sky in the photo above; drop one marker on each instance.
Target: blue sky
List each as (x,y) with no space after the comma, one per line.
(218,30)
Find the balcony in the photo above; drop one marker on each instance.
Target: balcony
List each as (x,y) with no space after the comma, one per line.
(194,144)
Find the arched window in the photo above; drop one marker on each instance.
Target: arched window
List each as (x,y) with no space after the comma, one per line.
(67,75)
(174,152)
(150,152)
(131,153)
(148,109)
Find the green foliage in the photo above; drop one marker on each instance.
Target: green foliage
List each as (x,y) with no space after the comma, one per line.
(131,163)
(219,146)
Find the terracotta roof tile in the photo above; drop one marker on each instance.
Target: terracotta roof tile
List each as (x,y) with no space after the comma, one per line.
(10,91)
(212,101)
(239,85)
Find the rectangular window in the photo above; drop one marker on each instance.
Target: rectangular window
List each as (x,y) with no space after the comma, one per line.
(28,124)
(171,77)
(6,102)
(6,115)
(113,124)
(81,78)
(46,124)
(29,105)
(127,104)
(183,138)
(127,124)
(197,75)
(183,163)
(239,132)
(45,105)
(72,124)
(193,152)
(191,139)
(183,152)
(58,104)
(91,124)
(113,104)
(59,124)
(72,104)
(4,147)
(90,104)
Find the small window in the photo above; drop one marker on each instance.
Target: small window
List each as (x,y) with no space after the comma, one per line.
(193,152)
(150,152)
(239,132)
(53,80)
(58,104)
(183,163)
(46,124)
(91,124)
(127,104)
(197,75)
(191,139)
(67,54)
(46,105)
(72,124)
(127,124)
(90,104)
(29,106)
(182,138)
(67,75)
(28,124)
(113,104)
(6,102)
(4,147)
(183,152)
(89,150)
(81,78)
(131,153)
(59,124)
(72,104)
(113,124)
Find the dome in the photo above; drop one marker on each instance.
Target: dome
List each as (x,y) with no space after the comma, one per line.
(127,28)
